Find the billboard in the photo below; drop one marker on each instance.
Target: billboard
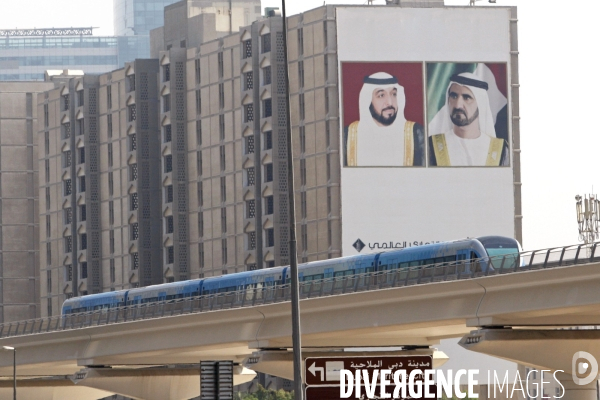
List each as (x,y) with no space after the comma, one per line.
(425,133)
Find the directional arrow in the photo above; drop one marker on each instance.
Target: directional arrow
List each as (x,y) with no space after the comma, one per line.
(313,370)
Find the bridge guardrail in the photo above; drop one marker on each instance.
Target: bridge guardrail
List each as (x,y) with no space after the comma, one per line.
(328,286)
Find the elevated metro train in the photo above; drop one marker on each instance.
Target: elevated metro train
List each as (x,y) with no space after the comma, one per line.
(446,252)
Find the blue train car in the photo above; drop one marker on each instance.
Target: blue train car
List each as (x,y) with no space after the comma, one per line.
(93,302)
(165,291)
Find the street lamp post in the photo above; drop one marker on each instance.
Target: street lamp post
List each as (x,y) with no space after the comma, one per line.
(8,348)
(295,292)
(588,218)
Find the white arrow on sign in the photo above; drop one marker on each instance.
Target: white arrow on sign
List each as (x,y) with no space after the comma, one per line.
(313,370)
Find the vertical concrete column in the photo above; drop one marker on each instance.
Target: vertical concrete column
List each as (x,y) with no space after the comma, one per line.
(574,391)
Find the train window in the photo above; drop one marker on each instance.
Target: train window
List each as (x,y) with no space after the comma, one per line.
(429,261)
(450,258)
(414,263)
(404,265)
(369,269)
(461,257)
(474,255)
(439,260)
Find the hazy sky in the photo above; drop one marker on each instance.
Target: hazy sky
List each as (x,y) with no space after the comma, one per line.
(559,96)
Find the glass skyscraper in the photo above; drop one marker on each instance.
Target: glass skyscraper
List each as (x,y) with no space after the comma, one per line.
(138,17)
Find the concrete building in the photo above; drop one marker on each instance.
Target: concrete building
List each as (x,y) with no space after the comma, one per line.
(102,211)
(19,248)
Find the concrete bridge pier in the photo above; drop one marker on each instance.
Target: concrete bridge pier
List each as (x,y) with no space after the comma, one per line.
(573,352)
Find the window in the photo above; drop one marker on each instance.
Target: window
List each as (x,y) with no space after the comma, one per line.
(68,215)
(83,241)
(48,226)
(302,130)
(133,172)
(270,264)
(83,212)
(80,98)
(66,130)
(110,184)
(199,162)
(80,126)
(304,237)
(167,73)
(109,125)
(81,155)
(111,241)
(66,158)
(198,103)
(48,198)
(201,255)
(266,43)
(328,167)
(224,251)
(81,184)
(131,79)
(268,140)
(110,154)
(247,49)
(67,189)
(166,103)
(267,75)
(303,204)
(328,200)
(84,271)
(169,224)
(112,271)
(248,80)
(135,231)
(168,163)
(325,33)
(220,64)
(167,133)
(251,241)
(223,220)
(200,224)
(329,234)
(250,208)
(68,244)
(109,97)
(249,113)
(69,273)
(268,205)
(170,255)
(47,168)
(267,108)
(326,96)
(301,102)
(65,98)
(300,41)
(48,253)
(269,173)
(132,112)
(135,261)
(200,194)
(221,96)
(49,282)
(250,176)
(221,127)
(249,145)
(327,136)
(223,190)
(197,70)
(133,201)
(198,133)
(47,142)
(326,67)
(169,194)
(270,237)
(251,267)
(303,171)
(222,157)
(111,212)
(132,142)
(301,74)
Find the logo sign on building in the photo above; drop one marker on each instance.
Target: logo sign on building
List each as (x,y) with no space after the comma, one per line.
(426,125)
(323,374)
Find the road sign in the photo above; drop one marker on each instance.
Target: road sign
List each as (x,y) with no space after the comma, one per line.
(216,380)
(326,370)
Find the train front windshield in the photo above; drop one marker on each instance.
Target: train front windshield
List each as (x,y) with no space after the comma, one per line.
(502,251)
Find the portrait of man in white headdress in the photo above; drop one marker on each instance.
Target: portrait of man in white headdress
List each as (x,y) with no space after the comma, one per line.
(463,132)
(382,137)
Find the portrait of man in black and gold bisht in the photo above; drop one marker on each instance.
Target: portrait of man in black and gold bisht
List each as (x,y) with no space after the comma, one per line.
(383,137)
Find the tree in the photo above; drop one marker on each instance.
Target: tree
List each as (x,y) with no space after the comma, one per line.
(265,394)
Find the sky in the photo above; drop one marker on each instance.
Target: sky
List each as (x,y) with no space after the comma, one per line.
(559,101)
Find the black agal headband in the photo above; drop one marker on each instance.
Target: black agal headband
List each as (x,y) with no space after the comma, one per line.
(463,80)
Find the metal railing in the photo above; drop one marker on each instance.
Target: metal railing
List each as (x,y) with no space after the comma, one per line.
(392,277)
